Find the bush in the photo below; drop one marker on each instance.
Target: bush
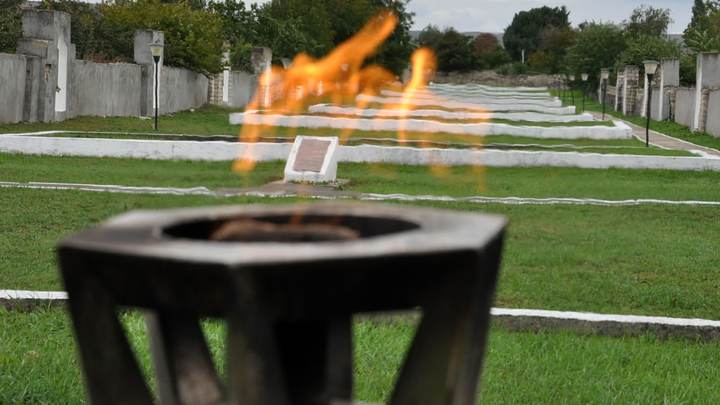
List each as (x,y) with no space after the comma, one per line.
(515,68)
(10,25)
(541,61)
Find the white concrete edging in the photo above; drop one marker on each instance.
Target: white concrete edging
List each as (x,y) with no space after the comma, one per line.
(225,151)
(440,97)
(512,318)
(619,130)
(457,105)
(499,89)
(450,115)
(476,199)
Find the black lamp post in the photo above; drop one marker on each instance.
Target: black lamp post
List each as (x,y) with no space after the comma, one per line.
(604,76)
(650,68)
(156,49)
(571,80)
(584,77)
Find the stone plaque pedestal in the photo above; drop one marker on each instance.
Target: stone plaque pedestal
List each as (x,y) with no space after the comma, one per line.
(312,160)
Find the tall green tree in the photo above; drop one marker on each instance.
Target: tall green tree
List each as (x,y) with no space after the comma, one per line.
(527,28)
(395,53)
(648,21)
(703,32)
(453,50)
(597,46)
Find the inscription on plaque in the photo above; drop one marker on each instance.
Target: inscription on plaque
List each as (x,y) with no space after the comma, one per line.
(311,155)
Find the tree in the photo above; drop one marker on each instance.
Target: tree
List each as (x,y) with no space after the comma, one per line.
(597,46)
(10,25)
(644,47)
(648,21)
(311,18)
(453,50)
(395,53)
(485,43)
(430,37)
(527,27)
(553,49)
(703,32)
(488,51)
(86,25)
(193,38)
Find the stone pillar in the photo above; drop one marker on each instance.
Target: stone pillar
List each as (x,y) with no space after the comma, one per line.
(619,90)
(669,78)
(708,79)
(46,36)
(261,61)
(226,83)
(143,57)
(630,89)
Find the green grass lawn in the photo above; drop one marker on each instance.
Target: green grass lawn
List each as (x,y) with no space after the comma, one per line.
(376,178)
(205,120)
(665,127)
(649,260)
(37,357)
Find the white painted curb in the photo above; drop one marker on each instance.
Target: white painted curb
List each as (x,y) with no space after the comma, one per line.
(440,97)
(191,191)
(473,86)
(515,319)
(457,105)
(450,115)
(619,131)
(225,151)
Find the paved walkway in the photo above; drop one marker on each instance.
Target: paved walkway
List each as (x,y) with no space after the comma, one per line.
(665,141)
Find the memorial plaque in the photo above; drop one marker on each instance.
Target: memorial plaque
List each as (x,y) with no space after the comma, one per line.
(311,155)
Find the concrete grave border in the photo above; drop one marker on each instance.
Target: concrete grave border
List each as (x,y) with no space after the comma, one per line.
(226,193)
(619,130)
(261,151)
(452,115)
(510,318)
(457,105)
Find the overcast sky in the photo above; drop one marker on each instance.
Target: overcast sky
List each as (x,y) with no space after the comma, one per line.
(495,15)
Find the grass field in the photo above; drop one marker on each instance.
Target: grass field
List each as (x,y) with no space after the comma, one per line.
(640,260)
(520,368)
(647,260)
(376,178)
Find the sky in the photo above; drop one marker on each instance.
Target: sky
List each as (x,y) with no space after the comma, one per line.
(496,15)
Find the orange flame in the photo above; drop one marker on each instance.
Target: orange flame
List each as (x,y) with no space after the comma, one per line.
(339,78)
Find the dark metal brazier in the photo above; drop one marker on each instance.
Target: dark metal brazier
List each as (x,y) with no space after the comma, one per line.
(288,304)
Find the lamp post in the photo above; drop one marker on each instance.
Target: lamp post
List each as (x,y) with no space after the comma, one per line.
(571,79)
(156,49)
(604,76)
(584,77)
(650,68)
